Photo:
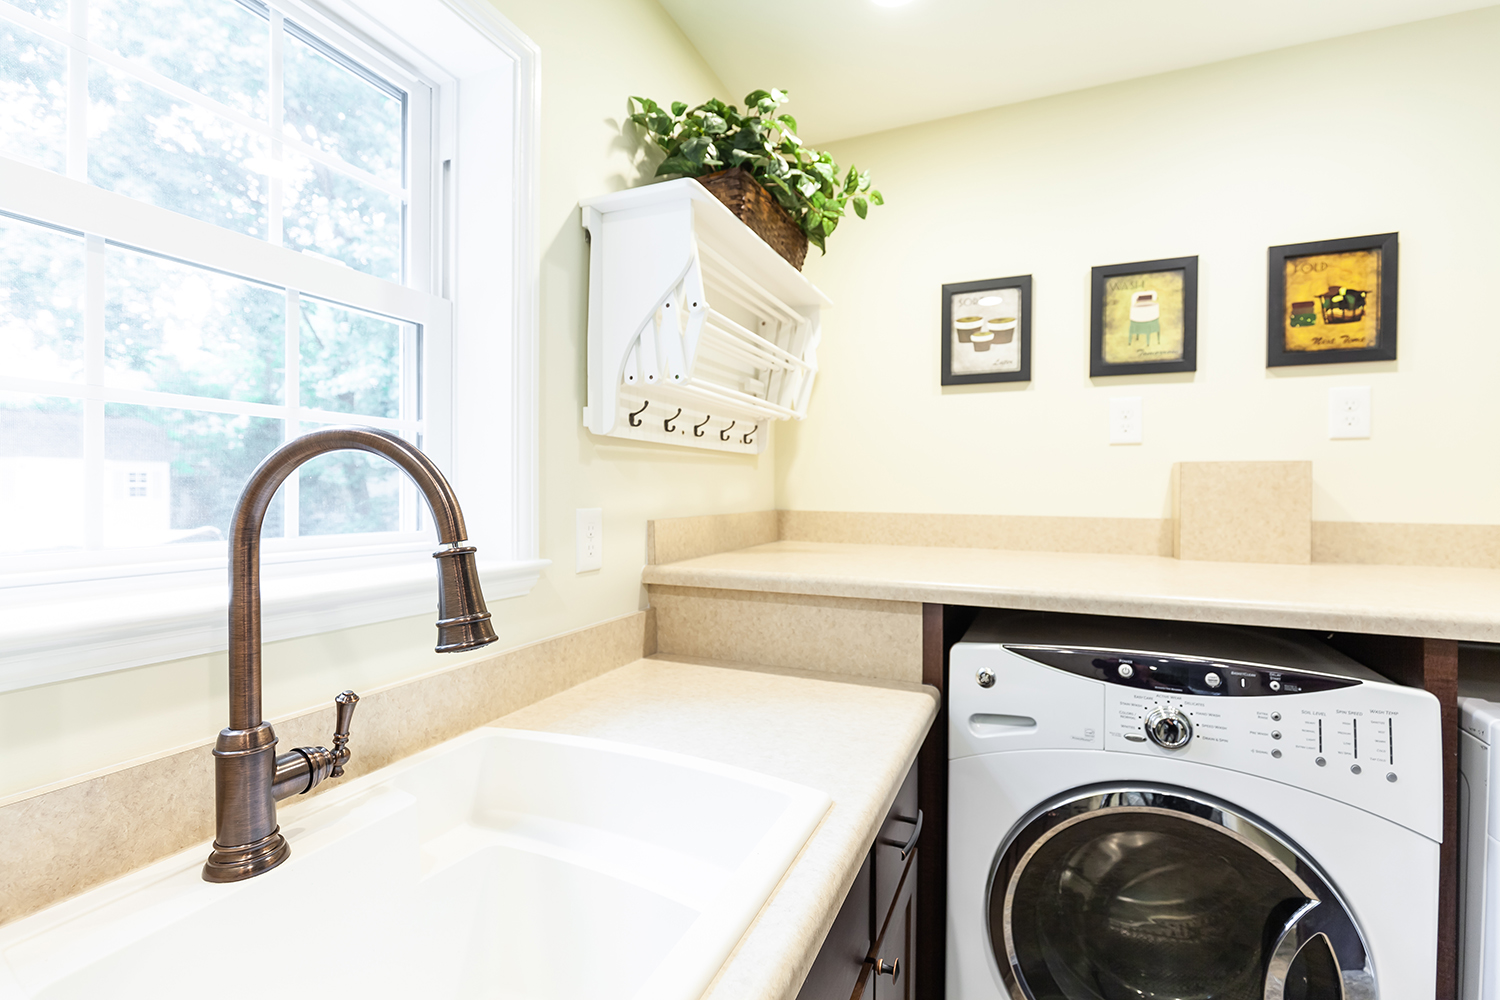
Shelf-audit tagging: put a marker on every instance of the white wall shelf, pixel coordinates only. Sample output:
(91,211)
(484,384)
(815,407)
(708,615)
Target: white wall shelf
(699,333)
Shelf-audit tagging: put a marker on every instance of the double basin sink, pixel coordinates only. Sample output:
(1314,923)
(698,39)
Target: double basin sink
(502,864)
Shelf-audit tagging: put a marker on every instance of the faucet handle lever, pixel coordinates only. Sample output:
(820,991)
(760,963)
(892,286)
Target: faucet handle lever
(343,706)
(301,770)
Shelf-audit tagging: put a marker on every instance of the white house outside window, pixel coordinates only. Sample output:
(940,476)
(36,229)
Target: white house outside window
(222,224)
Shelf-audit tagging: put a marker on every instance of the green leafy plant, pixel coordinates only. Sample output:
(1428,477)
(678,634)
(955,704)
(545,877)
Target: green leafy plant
(716,136)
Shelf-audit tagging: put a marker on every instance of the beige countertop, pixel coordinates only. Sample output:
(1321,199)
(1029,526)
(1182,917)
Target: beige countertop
(1432,601)
(853,739)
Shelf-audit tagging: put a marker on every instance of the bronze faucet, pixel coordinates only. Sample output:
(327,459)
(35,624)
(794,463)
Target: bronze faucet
(249,776)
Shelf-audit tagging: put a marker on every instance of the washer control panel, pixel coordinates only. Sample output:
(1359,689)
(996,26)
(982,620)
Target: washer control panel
(1372,744)
(1163,674)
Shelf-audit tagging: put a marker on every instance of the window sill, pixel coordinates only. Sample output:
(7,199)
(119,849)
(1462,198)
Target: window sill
(59,633)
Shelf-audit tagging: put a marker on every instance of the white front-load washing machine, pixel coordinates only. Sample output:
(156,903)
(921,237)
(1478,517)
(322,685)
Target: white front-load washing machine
(1153,810)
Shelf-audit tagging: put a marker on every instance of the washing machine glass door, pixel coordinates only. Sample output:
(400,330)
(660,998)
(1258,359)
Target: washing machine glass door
(1150,894)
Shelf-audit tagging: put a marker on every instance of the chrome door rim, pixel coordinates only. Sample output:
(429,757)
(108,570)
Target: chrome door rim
(1074,809)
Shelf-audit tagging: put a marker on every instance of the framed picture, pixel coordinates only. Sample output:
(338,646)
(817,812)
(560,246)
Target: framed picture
(987,331)
(1144,318)
(1332,301)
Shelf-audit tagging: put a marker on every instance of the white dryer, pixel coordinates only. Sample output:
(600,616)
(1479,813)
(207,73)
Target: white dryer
(1153,810)
(1479,849)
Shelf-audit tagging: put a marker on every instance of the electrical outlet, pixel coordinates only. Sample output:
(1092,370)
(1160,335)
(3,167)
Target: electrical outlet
(1125,420)
(1349,412)
(590,547)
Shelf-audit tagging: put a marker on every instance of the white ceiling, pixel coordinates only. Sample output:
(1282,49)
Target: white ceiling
(853,67)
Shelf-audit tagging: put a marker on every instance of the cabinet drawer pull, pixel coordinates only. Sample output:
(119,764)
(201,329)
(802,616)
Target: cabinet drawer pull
(911,843)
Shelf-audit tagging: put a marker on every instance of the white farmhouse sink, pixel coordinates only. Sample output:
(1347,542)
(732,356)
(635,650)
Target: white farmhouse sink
(500,864)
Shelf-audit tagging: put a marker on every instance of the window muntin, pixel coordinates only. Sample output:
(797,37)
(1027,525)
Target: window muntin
(160,381)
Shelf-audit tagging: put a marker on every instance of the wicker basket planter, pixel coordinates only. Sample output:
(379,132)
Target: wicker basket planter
(754,206)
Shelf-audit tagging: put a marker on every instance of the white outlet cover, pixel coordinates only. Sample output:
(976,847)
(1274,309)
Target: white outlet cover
(1349,412)
(589,544)
(1125,420)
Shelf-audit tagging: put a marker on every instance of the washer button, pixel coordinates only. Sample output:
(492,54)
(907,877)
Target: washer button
(1390,776)
(1275,716)
(1135,737)
(1212,679)
(1276,754)
(1126,671)
(1275,685)
(1275,734)
(1355,769)
(1320,762)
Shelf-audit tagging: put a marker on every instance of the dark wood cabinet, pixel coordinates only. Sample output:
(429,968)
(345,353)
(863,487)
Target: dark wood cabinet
(869,953)
(837,970)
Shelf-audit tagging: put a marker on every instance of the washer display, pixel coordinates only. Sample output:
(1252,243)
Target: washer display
(1147,810)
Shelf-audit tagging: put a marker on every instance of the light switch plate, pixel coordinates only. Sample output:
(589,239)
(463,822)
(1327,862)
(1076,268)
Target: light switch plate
(590,542)
(1125,420)
(1349,412)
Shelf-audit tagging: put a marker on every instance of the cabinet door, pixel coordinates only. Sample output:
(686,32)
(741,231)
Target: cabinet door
(836,970)
(893,846)
(897,945)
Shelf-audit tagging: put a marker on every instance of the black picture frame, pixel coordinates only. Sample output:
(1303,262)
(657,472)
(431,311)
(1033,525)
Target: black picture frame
(947,335)
(1277,354)
(1098,367)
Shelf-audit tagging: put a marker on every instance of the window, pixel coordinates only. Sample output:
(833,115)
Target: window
(234,114)
(224,223)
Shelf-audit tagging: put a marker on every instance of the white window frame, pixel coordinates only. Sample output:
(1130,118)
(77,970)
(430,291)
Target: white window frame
(480,333)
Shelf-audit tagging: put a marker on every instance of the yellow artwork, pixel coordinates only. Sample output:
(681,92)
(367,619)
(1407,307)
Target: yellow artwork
(1143,318)
(1332,301)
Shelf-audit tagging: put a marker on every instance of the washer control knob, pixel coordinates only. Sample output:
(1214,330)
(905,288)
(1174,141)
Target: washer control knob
(1169,728)
(1126,671)
(1212,679)
(985,676)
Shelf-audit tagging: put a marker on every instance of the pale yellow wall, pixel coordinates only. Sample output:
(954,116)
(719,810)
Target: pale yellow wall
(594,54)
(1393,130)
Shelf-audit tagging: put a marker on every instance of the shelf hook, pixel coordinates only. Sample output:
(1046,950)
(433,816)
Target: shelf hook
(746,436)
(635,418)
(698,428)
(724,434)
(667,423)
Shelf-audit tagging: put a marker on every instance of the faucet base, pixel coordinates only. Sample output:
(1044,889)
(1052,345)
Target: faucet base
(231,864)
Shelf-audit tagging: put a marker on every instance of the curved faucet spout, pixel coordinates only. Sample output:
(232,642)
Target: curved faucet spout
(247,840)
(244,543)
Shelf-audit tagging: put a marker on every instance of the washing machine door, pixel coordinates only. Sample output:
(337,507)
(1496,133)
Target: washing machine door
(1155,893)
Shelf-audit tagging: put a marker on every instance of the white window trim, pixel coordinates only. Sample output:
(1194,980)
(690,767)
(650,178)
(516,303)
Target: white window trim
(62,625)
